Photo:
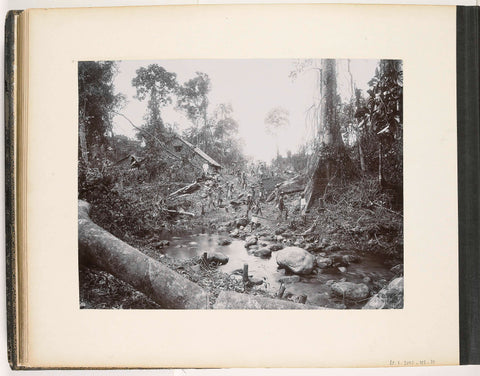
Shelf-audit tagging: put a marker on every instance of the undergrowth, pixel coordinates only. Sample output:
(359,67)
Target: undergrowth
(99,289)
(359,216)
(129,209)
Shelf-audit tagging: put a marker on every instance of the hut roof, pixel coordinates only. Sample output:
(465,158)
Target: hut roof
(200,152)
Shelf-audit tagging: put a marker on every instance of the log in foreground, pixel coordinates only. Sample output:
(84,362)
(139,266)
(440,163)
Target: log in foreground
(235,300)
(169,289)
(161,284)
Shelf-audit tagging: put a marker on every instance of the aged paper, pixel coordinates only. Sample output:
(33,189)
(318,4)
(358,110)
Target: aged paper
(62,335)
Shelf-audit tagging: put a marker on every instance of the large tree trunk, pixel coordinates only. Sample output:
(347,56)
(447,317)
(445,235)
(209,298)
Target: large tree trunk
(321,170)
(361,157)
(164,286)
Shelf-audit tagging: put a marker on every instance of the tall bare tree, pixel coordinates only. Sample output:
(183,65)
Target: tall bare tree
(329,138)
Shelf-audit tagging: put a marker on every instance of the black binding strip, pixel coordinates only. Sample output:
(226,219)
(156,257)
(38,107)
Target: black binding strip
(10,184)
(468,122)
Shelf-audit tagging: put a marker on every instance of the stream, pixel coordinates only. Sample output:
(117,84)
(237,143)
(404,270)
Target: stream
(369,270)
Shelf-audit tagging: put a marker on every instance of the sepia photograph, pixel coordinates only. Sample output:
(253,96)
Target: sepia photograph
(240,184)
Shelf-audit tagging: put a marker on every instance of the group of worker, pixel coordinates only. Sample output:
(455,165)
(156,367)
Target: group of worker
(216,194)
(279,197)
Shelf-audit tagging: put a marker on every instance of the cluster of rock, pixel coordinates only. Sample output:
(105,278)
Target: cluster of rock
(301,258)
(389,297)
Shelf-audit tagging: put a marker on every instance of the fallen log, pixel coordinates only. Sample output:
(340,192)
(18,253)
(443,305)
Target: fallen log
(235,300)
(186,190)
(293,185)
(170,211)
(161,284)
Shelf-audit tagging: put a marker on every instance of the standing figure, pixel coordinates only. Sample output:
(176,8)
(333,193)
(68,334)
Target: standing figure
(209,198)
(244,180)
(255,222)
(258,209)
(281,206)
(303,208)
(252,192)
(276,193)
(229,191)
(205,169)
(249,204)
(219,196)
(261,192)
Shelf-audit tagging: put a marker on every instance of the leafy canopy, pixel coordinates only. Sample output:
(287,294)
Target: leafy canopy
(193,96)
(97,98)
(155,82)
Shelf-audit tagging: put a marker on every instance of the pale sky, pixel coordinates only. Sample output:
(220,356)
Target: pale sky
(252,87)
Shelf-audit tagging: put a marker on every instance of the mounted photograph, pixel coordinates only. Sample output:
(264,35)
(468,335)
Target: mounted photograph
(240,184)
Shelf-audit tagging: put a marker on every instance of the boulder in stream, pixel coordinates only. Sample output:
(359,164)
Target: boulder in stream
(224,241)
(217,257)
(161,244)
(289,279)
(375,302)
(251,240)
(255,281)
(350,290)
(262,252)
(390,296)
(324,262)
(296,259)
(396,286)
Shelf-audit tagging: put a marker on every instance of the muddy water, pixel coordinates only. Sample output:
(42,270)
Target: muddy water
(314,286)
